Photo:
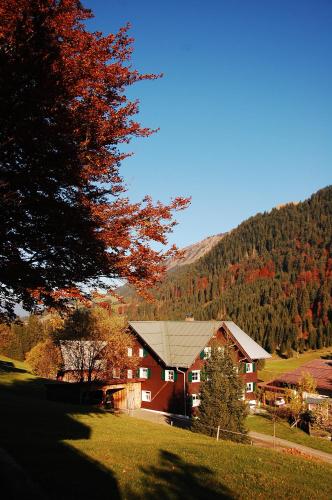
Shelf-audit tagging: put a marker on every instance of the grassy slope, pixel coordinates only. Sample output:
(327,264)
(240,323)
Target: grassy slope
(283,430)
(77,453)
(275,366)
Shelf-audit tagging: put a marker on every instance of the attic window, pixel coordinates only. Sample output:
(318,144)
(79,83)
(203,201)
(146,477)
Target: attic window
(249,367)
(169,375)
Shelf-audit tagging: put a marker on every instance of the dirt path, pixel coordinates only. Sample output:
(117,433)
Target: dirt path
(268,442)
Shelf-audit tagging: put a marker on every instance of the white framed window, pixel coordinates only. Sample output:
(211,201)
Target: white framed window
(196,399)
(207,352)
(143,373)
(169,375)
(129,373)
(249,368)
(196,376)
(146,396)
(141,352)
(249,387)
(130,352)
(116,373)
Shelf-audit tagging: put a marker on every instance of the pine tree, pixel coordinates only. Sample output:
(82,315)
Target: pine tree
(221,398)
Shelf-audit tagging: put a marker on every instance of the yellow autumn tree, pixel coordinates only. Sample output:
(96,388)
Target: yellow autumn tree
(44,359)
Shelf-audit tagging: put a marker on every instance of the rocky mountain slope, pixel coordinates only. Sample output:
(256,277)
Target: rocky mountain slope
(195,251)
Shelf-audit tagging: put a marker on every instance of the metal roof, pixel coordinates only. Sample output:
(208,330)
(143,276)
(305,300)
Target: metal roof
(319,369)
(178,343)
(254,350)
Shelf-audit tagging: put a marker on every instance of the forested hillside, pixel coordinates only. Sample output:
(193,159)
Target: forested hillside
(272,275)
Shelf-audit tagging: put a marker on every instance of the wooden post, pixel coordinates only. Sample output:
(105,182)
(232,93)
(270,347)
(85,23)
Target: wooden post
(218,430)
(274,431)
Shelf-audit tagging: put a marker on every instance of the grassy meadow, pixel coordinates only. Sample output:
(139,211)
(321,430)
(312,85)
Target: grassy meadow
(276,365)
(263,424)
(78,452)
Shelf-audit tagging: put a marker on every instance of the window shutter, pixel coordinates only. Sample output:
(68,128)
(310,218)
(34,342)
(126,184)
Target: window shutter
(254,367)
(163,375)
(202,354)
(255,385)
(145,353)
(244,368)
(202,376)
(190,376)
(149,372)
(175,375)
(137,373)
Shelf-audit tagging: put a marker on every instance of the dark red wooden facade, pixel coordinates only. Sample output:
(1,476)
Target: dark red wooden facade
(176,397)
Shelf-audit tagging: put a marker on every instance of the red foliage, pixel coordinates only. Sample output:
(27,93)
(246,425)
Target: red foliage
(305,277)
(266,271)
(69,84)
(309,314)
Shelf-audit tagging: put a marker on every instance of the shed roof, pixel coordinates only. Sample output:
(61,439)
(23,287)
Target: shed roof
(178,343)
(320,370)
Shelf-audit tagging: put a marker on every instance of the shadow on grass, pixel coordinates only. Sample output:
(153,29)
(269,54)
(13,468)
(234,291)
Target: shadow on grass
(9,367)
(38,464)
(176,479)
(32,432)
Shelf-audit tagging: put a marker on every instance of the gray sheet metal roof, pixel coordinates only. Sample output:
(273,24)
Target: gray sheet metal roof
(177,343)
(254,350)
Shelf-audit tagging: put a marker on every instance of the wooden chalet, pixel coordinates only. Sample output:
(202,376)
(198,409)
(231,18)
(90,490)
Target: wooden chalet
(173,355)
(171,359)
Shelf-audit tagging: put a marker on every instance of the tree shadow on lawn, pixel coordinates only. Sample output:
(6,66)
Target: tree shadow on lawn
(9,367)
(177,480)
(31,432)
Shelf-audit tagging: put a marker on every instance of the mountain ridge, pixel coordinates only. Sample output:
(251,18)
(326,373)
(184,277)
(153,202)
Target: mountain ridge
(272,275)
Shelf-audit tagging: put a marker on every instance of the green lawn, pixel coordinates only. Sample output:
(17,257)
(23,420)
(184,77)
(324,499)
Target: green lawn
(75,452)
(264,425)
(276,366)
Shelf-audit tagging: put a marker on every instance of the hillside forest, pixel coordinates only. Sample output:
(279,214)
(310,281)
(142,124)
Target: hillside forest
(272,275)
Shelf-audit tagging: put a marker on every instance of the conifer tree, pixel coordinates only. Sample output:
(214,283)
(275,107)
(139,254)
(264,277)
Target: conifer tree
(221,398)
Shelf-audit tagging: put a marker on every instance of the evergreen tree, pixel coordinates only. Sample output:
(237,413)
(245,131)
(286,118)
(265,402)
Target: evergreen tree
(221,398)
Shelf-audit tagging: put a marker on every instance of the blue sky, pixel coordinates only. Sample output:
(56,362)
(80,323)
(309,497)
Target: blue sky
(244,107)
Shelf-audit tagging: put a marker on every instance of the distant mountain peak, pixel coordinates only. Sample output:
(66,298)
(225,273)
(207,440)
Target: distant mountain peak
(193,252)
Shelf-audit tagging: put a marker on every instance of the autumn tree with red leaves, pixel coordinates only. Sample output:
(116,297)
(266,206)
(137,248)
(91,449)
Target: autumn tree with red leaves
(65,220)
